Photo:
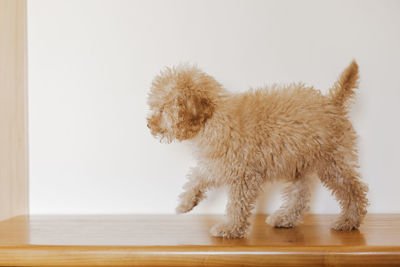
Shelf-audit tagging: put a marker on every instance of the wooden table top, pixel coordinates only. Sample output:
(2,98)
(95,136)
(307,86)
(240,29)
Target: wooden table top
(184,240)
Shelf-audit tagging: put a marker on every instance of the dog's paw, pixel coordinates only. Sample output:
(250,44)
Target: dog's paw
(188,200)
(279,220)
(184,207)
(343,224)
(227,230)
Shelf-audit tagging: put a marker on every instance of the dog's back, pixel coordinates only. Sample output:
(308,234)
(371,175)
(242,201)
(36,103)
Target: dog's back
(295,125)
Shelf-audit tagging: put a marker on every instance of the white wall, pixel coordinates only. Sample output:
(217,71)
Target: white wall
(91,63)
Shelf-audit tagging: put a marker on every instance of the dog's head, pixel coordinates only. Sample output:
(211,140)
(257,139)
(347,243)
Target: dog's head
(181,100)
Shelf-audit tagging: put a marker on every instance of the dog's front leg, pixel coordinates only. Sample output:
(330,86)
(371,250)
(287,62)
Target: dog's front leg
(242,196)
(194,190)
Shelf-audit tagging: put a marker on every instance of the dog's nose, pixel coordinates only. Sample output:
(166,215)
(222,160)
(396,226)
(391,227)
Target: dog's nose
(148,126)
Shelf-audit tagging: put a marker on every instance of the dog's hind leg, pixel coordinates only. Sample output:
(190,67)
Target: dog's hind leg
(345,184)
(297,198)
(195,190)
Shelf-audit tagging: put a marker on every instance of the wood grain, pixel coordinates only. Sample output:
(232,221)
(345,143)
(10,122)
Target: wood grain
(183,240)
(13,112)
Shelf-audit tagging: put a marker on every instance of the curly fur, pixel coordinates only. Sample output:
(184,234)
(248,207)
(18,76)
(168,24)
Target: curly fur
(243,140)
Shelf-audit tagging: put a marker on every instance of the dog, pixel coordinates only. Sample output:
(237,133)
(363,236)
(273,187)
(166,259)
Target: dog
(243,140)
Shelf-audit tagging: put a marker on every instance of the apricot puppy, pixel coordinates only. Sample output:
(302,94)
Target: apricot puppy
(243,140)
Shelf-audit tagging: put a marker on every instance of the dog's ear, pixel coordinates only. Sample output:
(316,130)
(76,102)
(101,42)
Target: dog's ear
(194,109)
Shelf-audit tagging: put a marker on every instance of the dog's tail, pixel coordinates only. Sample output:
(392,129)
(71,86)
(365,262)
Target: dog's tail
(343,89)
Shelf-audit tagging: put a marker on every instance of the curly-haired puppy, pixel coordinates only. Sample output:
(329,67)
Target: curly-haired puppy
(242,140)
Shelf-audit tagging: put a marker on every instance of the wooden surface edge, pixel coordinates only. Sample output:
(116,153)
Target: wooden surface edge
(173,240)
(36,255)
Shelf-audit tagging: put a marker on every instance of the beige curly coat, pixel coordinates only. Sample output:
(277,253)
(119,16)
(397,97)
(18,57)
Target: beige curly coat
(243,140)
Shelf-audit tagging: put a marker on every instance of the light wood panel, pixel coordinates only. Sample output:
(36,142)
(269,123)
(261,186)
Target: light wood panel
(183,240)
(13,112)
